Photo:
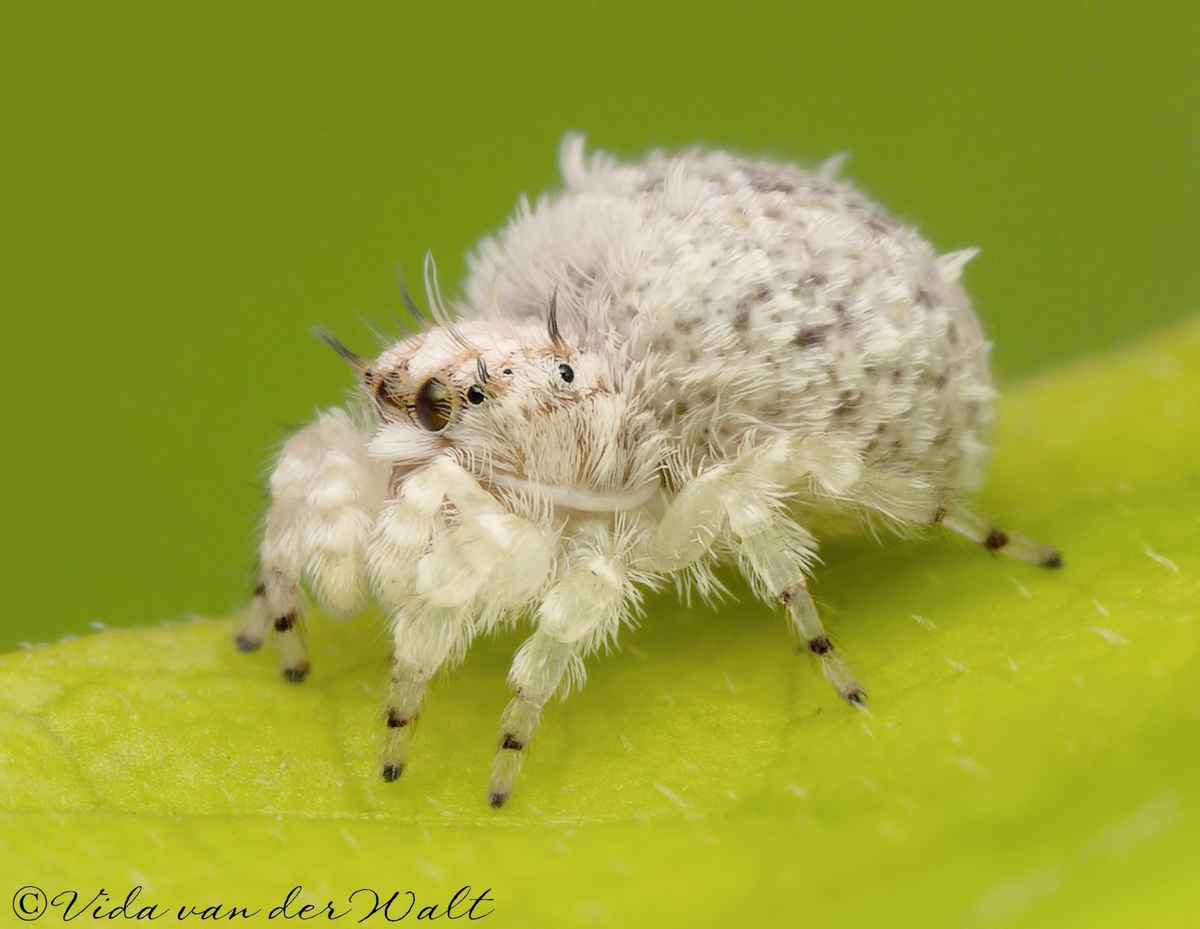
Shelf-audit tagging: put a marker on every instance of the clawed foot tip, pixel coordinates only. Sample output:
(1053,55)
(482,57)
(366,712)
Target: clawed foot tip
(391,772)
(856,696)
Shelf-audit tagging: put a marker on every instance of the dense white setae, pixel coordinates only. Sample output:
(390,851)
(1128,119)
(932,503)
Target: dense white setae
(670,363)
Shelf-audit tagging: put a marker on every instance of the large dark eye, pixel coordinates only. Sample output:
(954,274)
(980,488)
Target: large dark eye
(567,373)
(475,394)
(434,405)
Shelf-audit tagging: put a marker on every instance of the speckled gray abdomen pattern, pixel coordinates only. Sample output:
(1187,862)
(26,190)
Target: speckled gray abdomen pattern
(764,298)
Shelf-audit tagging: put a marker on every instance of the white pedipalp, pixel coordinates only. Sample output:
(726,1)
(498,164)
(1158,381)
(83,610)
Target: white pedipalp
(580,499)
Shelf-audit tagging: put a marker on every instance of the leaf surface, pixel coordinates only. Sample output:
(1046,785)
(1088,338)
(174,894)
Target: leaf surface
(1032,753)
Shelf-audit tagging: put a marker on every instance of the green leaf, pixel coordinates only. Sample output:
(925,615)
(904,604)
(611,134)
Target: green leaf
(1032,752)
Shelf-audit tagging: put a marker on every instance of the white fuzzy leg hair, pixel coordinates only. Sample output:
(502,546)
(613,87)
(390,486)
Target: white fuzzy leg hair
(743,505)
(445,560)
(591,598)
(325,491)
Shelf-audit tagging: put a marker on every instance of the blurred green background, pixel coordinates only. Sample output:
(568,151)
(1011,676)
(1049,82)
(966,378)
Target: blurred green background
(184,192)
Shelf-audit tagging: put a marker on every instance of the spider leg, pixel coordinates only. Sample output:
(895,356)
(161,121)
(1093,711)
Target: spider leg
(277,605)
(578,614)
(698,517)
(957,518)
(324,491)
(255,623)
(906,501)
(536,675)
(776,551)
(423,641)
(445,561)
(744,504)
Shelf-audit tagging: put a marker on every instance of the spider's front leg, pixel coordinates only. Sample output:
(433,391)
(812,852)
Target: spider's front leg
(579,613)
(325,491)
(445,561)
(744,504)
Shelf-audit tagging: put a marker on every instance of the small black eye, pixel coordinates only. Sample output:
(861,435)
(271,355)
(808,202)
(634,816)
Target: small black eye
(507,372)
(434,406)
(475,394)
(567,373)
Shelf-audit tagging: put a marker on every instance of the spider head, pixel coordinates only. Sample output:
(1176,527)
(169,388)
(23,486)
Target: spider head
(515,405)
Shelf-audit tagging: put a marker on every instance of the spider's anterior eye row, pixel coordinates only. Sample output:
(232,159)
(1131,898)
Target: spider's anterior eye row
(434,406)
(475,394)
(567,373)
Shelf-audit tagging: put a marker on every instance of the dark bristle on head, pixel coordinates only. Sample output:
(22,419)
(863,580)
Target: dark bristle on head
(552,320)
(409,303)
(355,360)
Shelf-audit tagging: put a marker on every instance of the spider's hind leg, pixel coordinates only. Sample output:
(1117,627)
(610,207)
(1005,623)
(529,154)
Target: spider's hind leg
(951,514)
(908,502)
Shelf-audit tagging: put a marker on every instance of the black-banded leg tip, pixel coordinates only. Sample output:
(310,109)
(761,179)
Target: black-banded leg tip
(247,644)
(296,673)
(855,696)
(497,799)
(391,772)
(995,540)
(1053,560)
